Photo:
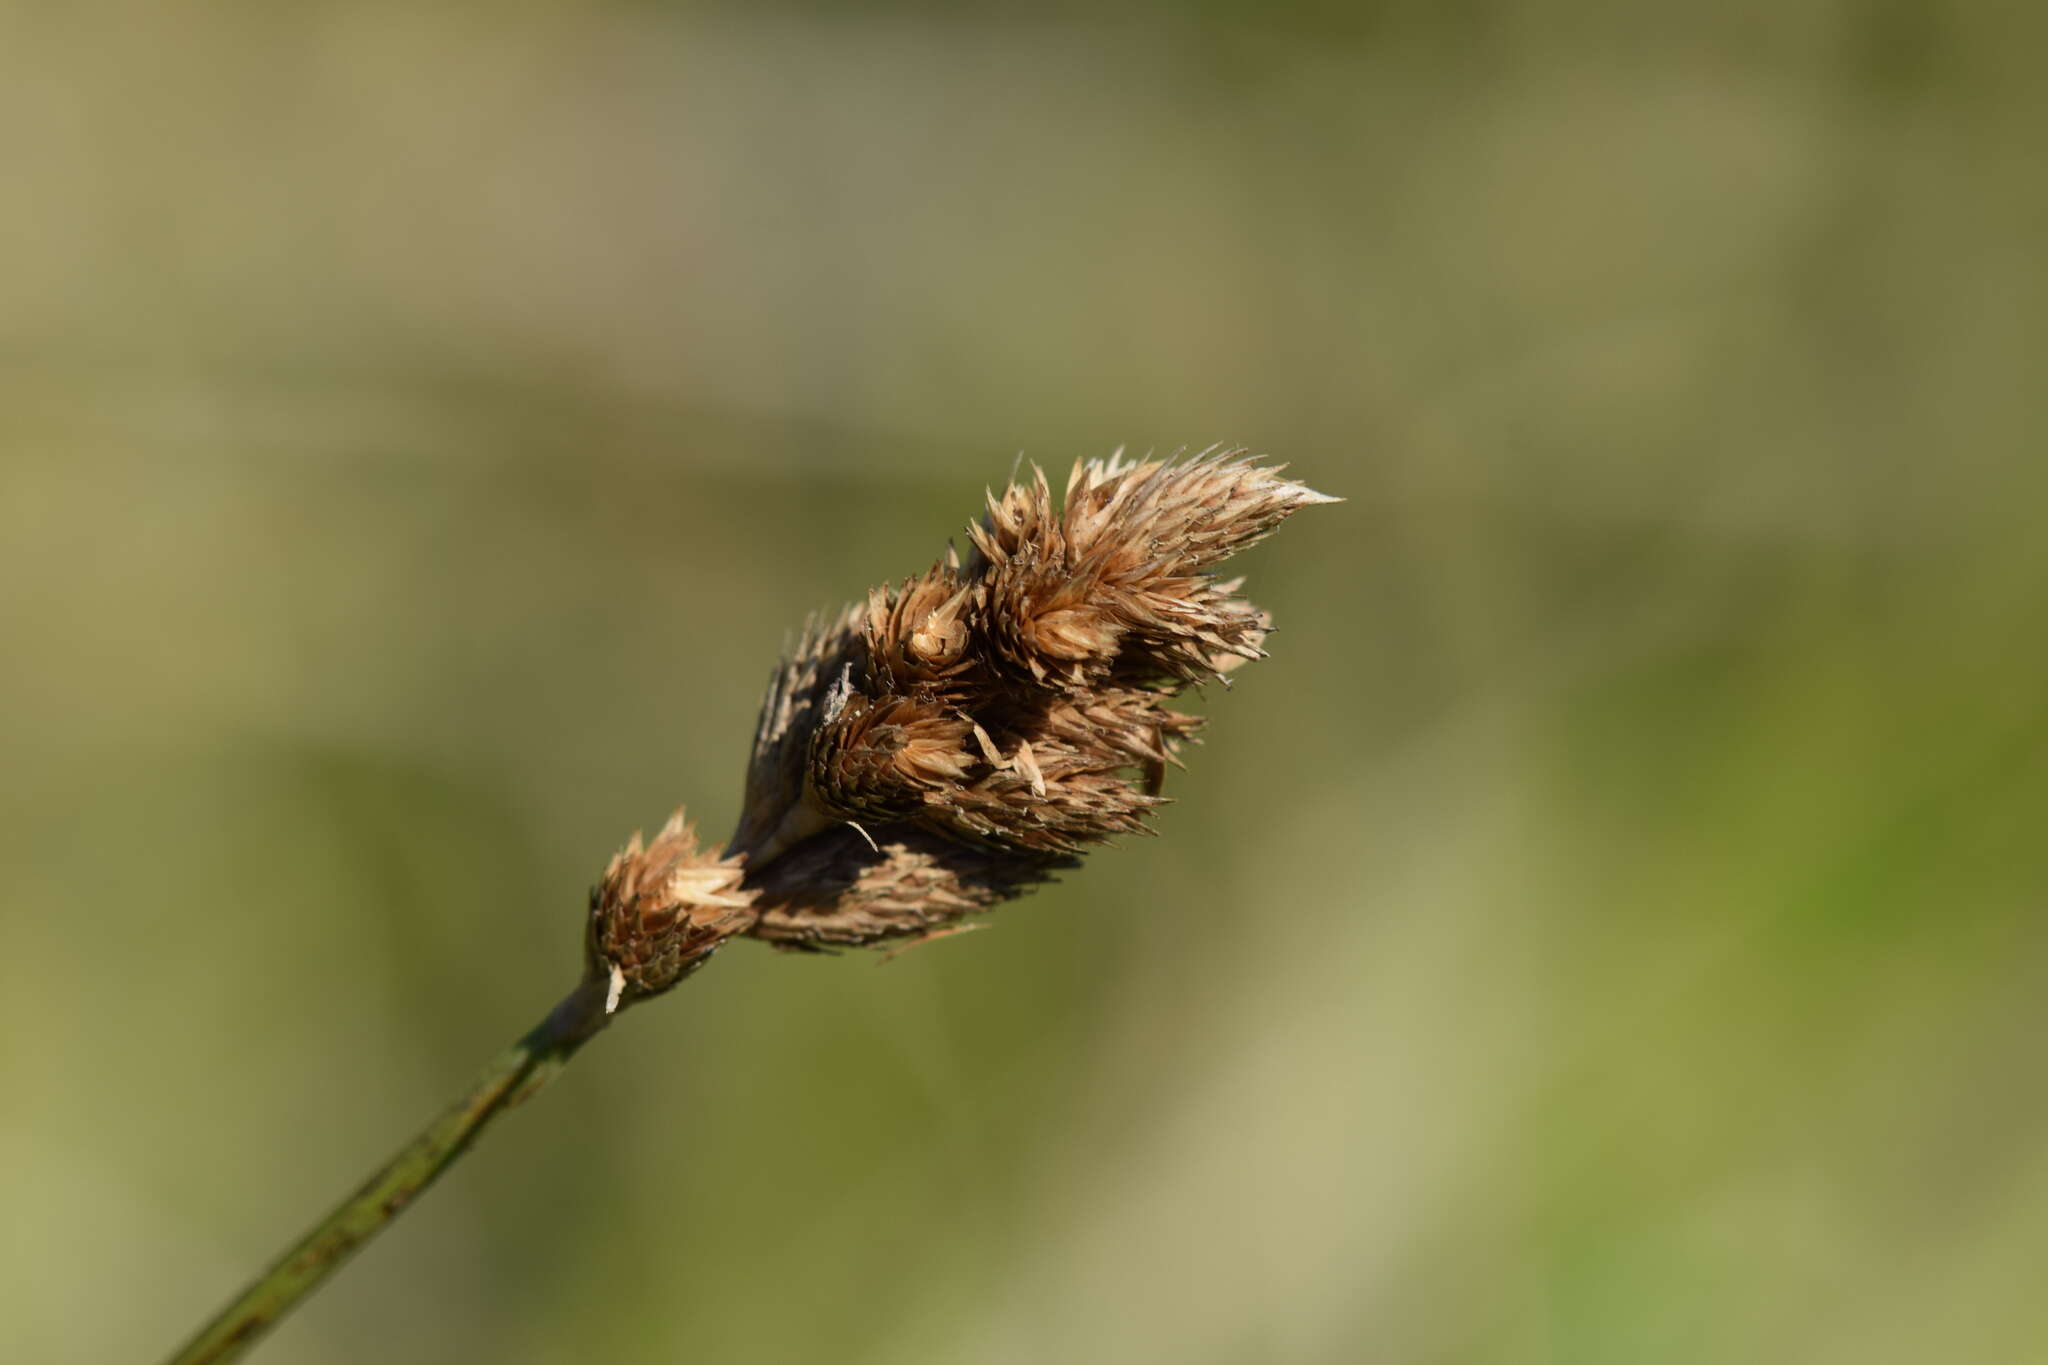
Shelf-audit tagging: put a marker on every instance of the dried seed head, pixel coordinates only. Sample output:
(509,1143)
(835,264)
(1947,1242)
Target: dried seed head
(661,910)
(951,741)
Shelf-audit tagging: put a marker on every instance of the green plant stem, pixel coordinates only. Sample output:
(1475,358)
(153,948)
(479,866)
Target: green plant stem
(514,1075)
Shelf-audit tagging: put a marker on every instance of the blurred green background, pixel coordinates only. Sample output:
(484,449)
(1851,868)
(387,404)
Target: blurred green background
(1610,928)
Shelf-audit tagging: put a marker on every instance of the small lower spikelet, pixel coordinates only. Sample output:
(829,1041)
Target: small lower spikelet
(951,741)
(661,910)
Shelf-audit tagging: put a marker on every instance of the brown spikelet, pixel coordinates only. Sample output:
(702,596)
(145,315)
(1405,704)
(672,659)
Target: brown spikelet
(1113,580)
(1023,521)
(1128,723)
(840,890)
(775,814)
(917,637)
(881,760)
(1050,797)
(952,740)
(661,910)
(1045,625)
(1134,519)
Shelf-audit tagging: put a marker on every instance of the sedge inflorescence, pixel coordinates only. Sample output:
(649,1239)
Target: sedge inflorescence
(958,738)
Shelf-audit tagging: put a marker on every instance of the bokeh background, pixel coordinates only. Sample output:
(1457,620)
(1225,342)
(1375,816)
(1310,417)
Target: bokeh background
(1610,929)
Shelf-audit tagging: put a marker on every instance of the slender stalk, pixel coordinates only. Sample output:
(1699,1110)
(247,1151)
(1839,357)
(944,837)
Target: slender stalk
(515,1074)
